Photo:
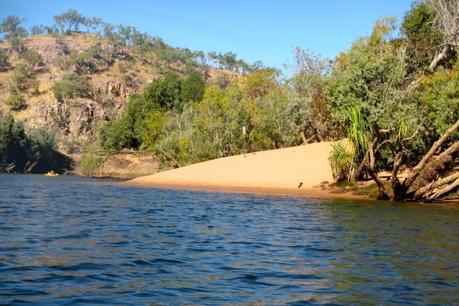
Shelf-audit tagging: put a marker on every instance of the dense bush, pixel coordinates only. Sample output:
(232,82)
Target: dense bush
(422,37)
(341,161)
(89,164)
(32,58)
(34,153)
(4,64)
(23,78)
(16,102)
(71,86)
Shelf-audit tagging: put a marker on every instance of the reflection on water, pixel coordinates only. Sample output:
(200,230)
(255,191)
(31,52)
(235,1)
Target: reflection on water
(69,240)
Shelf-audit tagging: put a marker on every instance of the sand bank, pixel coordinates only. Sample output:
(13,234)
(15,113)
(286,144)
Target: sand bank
(289,171)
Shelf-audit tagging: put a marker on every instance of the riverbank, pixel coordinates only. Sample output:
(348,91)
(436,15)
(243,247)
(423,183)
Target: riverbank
(300,171)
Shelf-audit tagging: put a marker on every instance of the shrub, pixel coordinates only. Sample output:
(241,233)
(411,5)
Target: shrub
(32,58)
(125,67)
(193,88)
(22,77)
(89,164)
(260,83)
(71,86)
(16,102)
(17,44)
(4,64)
(341,161)
(166,92)
(35,152)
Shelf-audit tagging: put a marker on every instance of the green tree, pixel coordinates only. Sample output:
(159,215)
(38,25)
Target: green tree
(11,26)
(367,93)
(70,21)
(23,78)
(192,88)
(260,83)
(166,92)
(32,58)
(38,30)
(71,86)
(423,38)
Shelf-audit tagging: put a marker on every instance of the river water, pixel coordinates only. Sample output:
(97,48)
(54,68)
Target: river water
(70,240)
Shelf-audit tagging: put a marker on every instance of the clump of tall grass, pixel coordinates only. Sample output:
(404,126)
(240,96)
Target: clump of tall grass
(341,160)
(89,164)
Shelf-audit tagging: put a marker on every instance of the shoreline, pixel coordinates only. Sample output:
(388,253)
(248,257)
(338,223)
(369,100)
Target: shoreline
(312,193)
(299,171)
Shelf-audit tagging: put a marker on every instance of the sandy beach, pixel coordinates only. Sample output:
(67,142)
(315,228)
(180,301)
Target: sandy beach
(289,171)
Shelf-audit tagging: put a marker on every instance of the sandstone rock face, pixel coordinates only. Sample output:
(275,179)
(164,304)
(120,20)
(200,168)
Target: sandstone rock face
(76,120)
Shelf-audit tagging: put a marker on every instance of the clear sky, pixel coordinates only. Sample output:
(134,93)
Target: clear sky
(259,29)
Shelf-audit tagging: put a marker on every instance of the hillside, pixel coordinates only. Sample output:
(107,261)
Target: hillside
(114,90)
(112,74)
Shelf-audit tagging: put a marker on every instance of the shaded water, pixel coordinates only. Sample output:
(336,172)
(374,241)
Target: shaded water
(69,240)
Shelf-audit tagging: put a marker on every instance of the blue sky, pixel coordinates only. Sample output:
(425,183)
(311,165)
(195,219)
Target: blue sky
(266,30)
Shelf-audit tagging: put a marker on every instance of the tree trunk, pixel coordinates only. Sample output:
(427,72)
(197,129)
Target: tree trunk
(398,189)
(432,170)
(370,158)
(420,166)
(440,57)
(444,190)
(426,191)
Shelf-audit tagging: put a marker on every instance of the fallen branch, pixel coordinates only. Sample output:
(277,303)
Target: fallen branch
(444,190)
(420,166)
(425,191)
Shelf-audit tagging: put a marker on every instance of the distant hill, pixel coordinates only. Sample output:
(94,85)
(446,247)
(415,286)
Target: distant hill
(102,74)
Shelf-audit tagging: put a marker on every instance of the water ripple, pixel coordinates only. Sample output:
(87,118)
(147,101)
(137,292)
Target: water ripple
(82,241)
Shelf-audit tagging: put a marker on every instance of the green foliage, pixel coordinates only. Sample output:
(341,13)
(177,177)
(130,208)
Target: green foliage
(130,130)
(11,26)
(341,161)
(35,152)
(172,92)
(222,80)
(166,92)
(89,164)
(32,58)
(205,130)
(439,97)
(16,102)
(422,37)
(17,44)
(23,78)
(276,121)
(192,88)
(371,76)
(260,83)
(70,21)
(154,124)
(4,64)
(92,60)
(359,131)
(38,30)
(71,86)
(116,135)
(230,61)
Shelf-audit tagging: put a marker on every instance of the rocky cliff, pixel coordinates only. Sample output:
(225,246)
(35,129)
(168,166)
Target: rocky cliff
(110,73)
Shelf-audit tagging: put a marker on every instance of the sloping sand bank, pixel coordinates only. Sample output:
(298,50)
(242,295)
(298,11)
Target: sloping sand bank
(294,170)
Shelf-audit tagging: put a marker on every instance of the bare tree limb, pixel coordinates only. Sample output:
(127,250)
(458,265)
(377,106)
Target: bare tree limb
(416,170)
(443,191)
(426,190)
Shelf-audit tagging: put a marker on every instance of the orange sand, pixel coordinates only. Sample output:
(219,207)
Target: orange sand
(293,171)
